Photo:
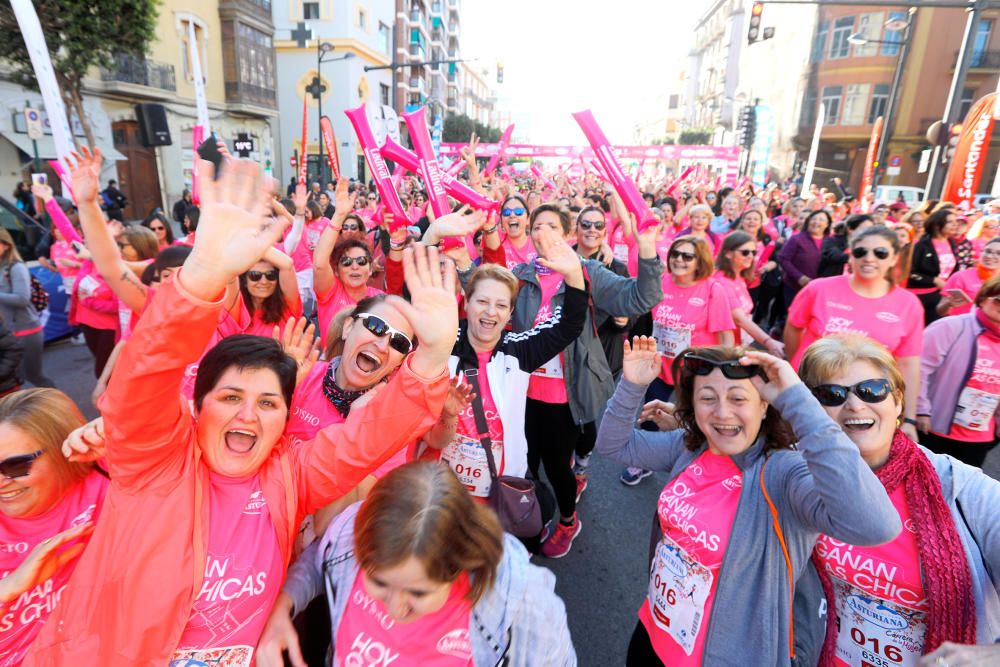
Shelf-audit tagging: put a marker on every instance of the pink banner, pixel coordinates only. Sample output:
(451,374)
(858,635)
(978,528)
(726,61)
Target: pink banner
(429,169)
(330,141)
(378,167)
(693,153)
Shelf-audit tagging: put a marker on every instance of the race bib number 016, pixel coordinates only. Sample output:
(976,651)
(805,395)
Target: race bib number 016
(467,459)
(671,341)
(678,588)
(875,632)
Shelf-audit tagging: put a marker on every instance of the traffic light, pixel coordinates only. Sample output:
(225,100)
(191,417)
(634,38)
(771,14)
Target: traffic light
(499,72)
(937,134)
(954,134)
(755,16)
(747,126)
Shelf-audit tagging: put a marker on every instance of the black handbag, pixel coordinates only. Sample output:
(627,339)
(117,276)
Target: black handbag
(514,499)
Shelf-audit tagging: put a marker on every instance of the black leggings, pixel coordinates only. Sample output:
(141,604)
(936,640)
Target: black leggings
(640,650)
(973,453)
(100,342)
(588,438)
(552,437)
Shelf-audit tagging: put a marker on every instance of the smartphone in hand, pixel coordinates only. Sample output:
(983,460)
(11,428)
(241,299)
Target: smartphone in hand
(209,150)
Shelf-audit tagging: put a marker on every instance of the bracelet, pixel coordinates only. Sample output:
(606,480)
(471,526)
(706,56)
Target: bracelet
(910,421)
(396,246)
(491,229)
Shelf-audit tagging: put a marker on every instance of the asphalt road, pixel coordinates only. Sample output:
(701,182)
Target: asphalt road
(602,580)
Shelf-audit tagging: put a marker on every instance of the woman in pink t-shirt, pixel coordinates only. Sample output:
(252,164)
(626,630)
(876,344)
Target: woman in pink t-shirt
(516,244)
(865,302)
(982,231)
(48,507)
(735,263)
(961,289)
(896,602)
(699,218)
(267,296)
(159,225)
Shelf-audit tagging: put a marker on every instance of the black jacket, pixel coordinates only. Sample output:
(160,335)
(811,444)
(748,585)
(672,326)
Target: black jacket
(925,267)
(833,256)
(10,356)
(610,333)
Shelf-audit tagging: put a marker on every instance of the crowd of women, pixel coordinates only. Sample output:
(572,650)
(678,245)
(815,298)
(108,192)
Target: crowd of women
(323,431)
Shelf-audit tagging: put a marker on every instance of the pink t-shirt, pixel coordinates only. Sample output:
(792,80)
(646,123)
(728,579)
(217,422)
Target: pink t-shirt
(243,575)
(968,281)
(464,455)
(548,383)
(689,317)
(739,298)
(880,601)
(618,243)
(974,419)
(523,255)
(302,256)
(62,252)
(662,249)
(334,300)
(368,636)
(23,618)
(696,512)
(829,306)
(946,258)
(255,325)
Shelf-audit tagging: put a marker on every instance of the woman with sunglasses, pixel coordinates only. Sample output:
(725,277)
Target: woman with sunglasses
(158,225)
(766,281)
(199,524)
(419,574)
(960,387)
(962,287)
(741,511)
(517,244)
(866,302)
(48,506)
(571,389)
(342,266)
(937,580)
(735,269)
(267,296)
(934,260)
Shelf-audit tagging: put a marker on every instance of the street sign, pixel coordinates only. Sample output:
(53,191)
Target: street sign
(893,171)
(243,146)
(895,161)
(925,160)
(33,123)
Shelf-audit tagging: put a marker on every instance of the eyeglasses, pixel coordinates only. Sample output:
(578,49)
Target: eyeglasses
(158,229)
(360,261)
(373,199)
(991,253)
(13,467)
(881,252)
(255,276)
(748,252)
(683,256)
(731,368)
(376,326)
(587,224)
(869,391)
(507,212)
(351,227)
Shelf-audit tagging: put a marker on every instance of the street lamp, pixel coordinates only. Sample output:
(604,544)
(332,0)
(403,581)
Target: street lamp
(323,49)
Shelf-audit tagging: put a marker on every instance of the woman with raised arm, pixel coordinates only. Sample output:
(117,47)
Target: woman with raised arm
(198,528)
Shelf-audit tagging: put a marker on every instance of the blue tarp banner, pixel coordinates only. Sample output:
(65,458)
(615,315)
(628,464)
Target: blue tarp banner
(54,319)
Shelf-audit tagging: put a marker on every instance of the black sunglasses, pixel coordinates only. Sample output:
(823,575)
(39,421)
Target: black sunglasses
(351,227)
(881,252)
(587,224)
(747,252)
(686,256)
(376,326)
(360,261)
(869,391)
(254,276)
(731,368)
(13,467)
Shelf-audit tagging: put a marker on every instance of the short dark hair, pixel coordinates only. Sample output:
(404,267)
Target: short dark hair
(822,211)
(936,221)
(245,352)
(192,213)
(564,218)
(854,221)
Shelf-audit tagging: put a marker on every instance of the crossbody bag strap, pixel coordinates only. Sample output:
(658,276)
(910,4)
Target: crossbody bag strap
(479,412)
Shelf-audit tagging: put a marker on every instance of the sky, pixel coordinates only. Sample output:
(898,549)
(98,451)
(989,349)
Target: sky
(617,58)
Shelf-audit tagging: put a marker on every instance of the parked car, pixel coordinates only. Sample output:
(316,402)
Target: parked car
(892,193)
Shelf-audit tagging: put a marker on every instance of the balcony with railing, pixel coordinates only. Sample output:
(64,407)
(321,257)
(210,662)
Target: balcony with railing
(126,68)
(437,6)
(981,59)
(238,92)
(417,50)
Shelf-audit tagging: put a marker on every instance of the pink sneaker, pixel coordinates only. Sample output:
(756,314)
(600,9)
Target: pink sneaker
(558,545)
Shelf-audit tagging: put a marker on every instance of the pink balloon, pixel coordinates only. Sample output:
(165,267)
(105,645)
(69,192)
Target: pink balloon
(427,163)
(380,171)
(460,191)
(623,185)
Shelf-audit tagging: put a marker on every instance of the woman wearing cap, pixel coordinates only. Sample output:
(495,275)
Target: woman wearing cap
(742,510)
(961,288)
(419,574)
(48,506)
(934,260)
(937,580)
(867,302)
(198,528)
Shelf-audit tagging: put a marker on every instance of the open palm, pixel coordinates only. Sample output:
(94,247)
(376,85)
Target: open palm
(642,361)
(85,174)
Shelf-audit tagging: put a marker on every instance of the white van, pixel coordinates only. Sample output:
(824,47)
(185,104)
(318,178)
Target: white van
(891,193)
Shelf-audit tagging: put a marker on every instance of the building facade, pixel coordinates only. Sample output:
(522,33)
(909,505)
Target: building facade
(478,100)
(714,66)
(426,31)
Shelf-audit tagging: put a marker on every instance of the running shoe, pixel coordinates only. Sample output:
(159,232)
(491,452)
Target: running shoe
(632,476)
(546,531)
(581,486)
(558,545)
(582,463)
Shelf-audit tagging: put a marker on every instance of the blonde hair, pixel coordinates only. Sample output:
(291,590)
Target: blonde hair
(10,255)
(493,272)
(47,416)
(420,510)
(832,354)
(700,208)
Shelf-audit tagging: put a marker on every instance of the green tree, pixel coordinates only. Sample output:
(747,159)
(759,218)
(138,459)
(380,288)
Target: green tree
(458,128)
(80,34)
(695,137)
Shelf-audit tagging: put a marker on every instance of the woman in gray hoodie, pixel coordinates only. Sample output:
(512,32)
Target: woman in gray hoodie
(19,313)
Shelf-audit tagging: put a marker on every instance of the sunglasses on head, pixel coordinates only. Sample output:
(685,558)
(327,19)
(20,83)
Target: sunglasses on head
(587,224)
(351,227)
(255,276)
(360,261)
(869,391)
(748,252)
(880,252)
(730,368)
(13,467)
(684,256)
(376,326)
(507,212)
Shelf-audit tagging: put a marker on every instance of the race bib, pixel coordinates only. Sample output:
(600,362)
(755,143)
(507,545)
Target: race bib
(620,251)
(467,459)
(229,656)
(975,409)
(312,238)
(678,588)
(671,341)
(875,632)
(88,285)
(552,369)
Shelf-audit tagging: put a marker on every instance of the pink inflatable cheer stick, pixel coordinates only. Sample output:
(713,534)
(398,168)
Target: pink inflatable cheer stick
(680,179)
(501,149)
(540,176)
(455,167)
(427,164)
(460,191)
(383,181)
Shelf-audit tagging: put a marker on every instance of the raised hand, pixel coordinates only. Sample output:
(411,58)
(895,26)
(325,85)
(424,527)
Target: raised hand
(460,223)
(300,343)
(42,191)
(554,253)
(780,374)
(343,201)
(468,153)
(660,413)
(642,361)
(460,397)
(85,174)
(235,231)
(300,198)
(47,558)
(432,311)
(86,443)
